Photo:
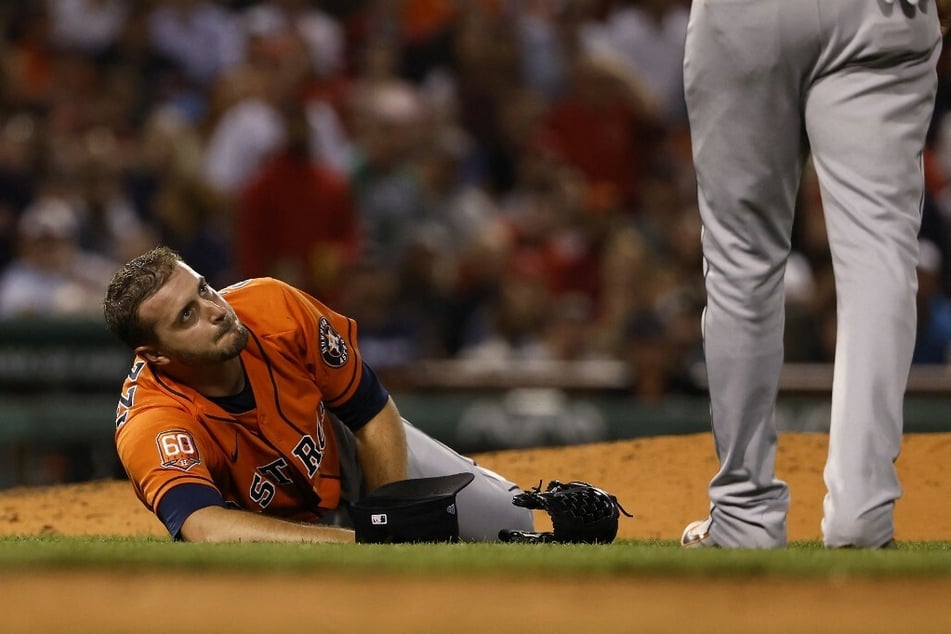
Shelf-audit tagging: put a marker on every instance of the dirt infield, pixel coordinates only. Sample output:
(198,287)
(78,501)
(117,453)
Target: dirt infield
(661,480)
(123,603)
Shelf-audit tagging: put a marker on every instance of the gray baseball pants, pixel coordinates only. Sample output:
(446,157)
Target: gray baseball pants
(767,82)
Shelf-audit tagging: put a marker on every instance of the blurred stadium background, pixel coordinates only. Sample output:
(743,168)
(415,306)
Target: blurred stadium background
(499,191)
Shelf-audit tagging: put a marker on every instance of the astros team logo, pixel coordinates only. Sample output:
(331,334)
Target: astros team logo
(333,348)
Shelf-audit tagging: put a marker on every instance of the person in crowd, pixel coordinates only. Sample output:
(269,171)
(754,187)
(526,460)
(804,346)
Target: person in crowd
(51,275)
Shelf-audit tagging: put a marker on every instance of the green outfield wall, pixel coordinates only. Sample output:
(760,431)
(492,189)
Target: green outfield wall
(59,383)
(60,379)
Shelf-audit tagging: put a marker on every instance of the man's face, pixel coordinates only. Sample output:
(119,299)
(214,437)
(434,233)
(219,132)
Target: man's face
(193,323)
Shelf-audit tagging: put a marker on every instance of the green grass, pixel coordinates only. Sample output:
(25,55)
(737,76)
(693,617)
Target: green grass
(623,558)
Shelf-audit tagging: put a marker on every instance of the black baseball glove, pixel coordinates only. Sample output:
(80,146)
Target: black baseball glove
(580,514)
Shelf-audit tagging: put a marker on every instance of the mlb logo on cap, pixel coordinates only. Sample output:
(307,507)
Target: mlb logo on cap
(378,519)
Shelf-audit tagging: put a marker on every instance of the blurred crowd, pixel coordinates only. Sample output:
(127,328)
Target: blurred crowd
(473,179)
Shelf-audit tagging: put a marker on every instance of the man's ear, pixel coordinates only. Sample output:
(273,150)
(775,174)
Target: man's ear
(152,355)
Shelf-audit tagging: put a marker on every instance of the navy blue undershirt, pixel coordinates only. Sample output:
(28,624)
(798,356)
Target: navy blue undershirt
(238,403)
(367,401)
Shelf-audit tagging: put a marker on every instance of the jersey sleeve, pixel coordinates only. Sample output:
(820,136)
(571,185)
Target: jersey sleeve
(366,402)
(349,387)
(181,501)
(162,448)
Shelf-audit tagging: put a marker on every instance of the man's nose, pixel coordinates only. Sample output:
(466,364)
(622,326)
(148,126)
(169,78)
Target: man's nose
(216,312)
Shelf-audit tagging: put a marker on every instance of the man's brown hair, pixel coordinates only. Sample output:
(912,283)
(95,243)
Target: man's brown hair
(135,282)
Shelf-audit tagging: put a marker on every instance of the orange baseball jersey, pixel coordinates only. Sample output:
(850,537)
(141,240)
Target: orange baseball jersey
(276,453)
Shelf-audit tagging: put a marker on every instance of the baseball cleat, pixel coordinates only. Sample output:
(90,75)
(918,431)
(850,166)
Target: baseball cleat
(697,535)
(889,545)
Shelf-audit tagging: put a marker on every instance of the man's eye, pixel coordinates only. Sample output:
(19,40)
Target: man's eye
(203,289)
(186,314)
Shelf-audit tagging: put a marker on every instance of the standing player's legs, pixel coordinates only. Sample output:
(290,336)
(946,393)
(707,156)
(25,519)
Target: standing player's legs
(742,87)
(485,505)
(867,122)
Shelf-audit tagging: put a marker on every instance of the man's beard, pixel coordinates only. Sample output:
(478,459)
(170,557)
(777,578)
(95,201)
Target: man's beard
(218,355)
(240,342)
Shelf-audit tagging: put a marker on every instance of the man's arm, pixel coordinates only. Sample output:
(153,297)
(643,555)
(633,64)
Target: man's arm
(219,524)
(381,451)
(381,447)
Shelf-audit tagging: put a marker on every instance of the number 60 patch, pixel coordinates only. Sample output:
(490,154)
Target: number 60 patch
(177,449)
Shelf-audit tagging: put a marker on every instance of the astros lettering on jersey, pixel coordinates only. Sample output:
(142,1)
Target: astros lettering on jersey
(279,457)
